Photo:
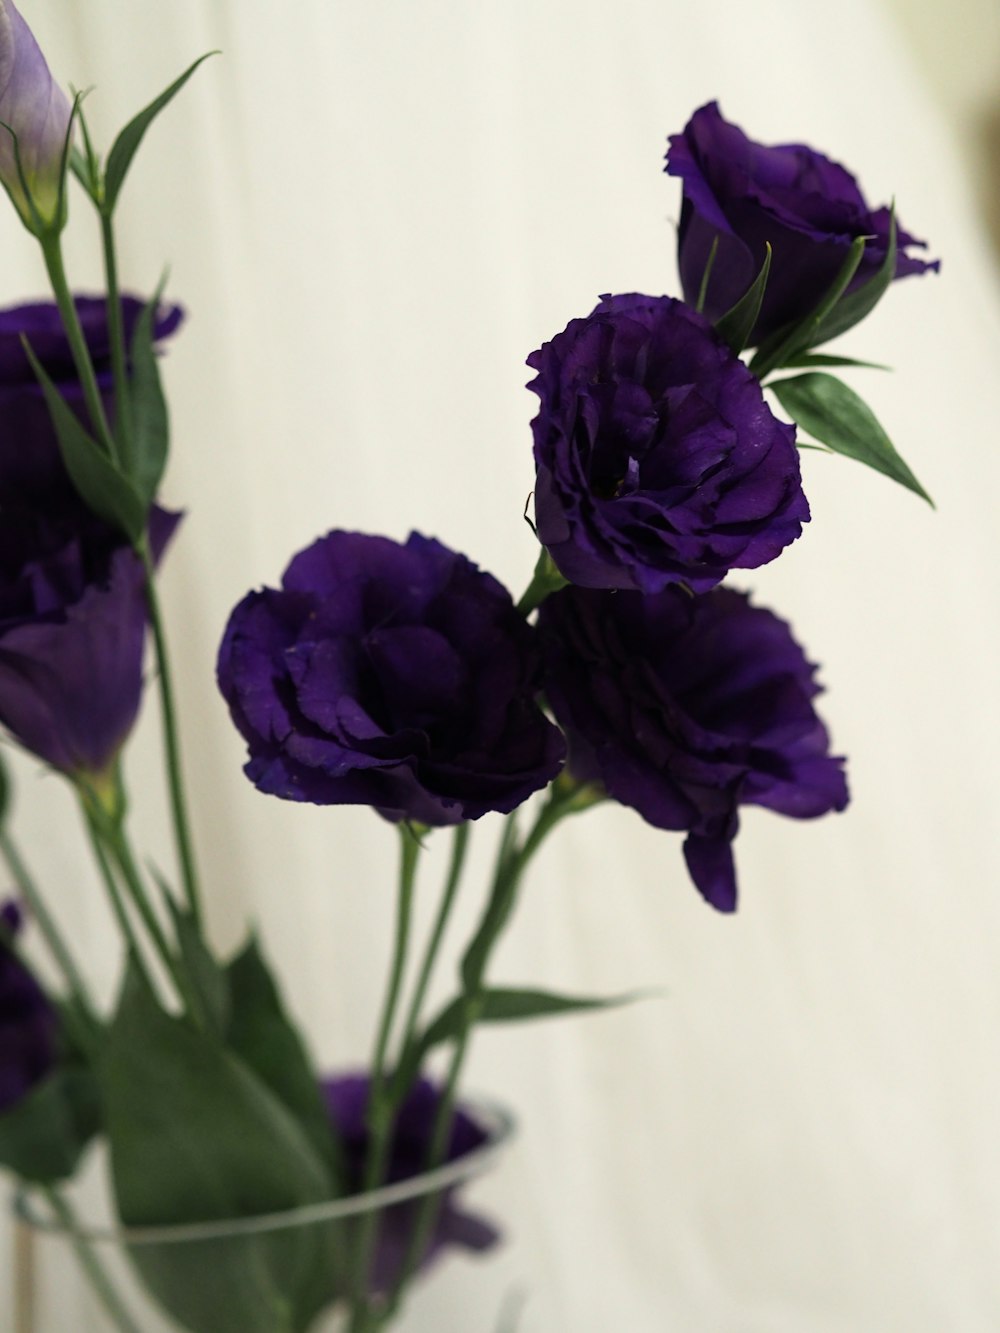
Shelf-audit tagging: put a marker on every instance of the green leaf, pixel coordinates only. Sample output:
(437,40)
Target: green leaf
(150,424)
(509,1005)
(837,417)
(500,1005)
(816,359)
(124,148)
(42,1137)
(207,978)
(736,325)
(261,1033)
(793,339)
(95,477)
(196,1136)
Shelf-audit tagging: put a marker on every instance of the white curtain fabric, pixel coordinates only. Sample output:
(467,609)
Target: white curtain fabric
(373,211)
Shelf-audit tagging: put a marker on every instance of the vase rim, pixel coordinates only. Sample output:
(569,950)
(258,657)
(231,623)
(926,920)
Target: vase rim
(495,1120)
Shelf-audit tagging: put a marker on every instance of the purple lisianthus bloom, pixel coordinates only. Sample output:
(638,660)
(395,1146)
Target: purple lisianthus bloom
(743,195)
(347,1101)
(37,111)
(685,708)
(31,467)
(396,676)
(72,602)
(29,1027)
(658,460)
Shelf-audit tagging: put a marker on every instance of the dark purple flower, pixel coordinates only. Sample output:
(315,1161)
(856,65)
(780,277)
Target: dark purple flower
(658,459)
(744,194)
(29,1027)
(347,1100)
(31,468)
(37,111)
(685,708)
(72,606)
(397,676)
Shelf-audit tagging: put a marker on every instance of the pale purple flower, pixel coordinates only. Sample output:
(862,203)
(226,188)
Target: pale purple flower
(37,112)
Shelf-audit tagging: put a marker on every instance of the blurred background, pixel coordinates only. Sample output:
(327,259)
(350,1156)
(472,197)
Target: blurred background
(373,210)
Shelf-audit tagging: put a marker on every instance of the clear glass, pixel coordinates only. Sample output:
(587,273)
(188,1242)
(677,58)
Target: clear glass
(223,1277)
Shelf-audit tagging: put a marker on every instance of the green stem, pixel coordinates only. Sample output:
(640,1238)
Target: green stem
(91,1265)
(116,334)
(50,932)
(171,741)
(381,1110)
(117,842)
(459,848)
(52,252)
(511,864)
(115,897)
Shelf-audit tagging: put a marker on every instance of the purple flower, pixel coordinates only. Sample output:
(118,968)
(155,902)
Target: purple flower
(31,468)
(686,708)
(658,459)
(29,1028)
(35,110)
(743,194)
(72,605)
(347,1101)
(395,676)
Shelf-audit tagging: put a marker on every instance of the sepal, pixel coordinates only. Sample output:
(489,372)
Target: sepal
(736,325)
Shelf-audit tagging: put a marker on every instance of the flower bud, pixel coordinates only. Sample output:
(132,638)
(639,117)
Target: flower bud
(35,117)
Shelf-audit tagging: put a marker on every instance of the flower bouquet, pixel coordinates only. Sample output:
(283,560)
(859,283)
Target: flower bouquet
(250,1190)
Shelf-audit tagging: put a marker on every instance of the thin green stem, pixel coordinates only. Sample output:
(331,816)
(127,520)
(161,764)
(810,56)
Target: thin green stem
(381,1110)
(459,848)
(52,252)
(511,863)
(116,334)
(91,1264)
(117,842)
(171,741)
(115,897)
(46,924)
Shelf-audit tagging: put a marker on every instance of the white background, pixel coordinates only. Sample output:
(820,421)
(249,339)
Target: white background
(373,211)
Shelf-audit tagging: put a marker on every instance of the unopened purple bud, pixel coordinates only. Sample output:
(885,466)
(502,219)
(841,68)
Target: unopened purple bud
(35,118)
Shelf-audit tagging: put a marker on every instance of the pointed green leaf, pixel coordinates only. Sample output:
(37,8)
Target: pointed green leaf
(818,359)
(195,1136)
(262,1034)
(795,338)
(498,1005)
(150,425)
(124,148)
(95,477)
(736,325)
(837,417)
(510,1005)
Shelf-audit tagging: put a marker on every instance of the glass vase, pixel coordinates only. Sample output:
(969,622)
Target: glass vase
(90,1276)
